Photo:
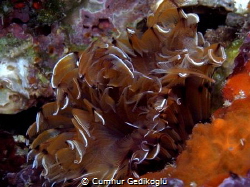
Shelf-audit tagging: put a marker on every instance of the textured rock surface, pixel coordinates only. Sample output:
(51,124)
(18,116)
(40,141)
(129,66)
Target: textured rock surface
(35,34)
(227,4)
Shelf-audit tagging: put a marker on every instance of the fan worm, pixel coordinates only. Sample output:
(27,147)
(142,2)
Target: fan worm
(125,108)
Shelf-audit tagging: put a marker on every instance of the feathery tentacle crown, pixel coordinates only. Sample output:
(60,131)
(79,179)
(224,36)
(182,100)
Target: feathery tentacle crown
(126,107)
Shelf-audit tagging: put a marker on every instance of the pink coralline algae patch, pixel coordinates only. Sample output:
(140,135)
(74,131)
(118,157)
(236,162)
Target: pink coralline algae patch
(110,19)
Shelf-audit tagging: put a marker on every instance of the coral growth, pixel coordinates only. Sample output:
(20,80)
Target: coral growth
(125,108)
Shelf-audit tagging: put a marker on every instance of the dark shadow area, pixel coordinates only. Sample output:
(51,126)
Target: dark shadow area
(210,18)
(18,123)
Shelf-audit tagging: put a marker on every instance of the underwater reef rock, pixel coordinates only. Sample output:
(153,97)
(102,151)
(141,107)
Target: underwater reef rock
(18,89)
(223,34)
(26,177)
(235,181)
(107,19)
(10,159)
(126,107)
(229,5)
(21,81)
(25,58)
(30,42)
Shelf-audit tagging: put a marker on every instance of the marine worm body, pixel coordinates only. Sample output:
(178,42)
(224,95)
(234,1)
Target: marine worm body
(125,108)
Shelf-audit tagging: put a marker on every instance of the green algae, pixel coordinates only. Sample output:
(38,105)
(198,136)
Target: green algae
(51,12)
(223,72)
(11,47)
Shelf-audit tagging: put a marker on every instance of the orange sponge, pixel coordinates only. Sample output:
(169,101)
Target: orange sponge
(215,150)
